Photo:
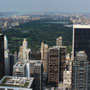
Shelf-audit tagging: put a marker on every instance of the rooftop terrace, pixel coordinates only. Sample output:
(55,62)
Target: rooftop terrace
(16,81)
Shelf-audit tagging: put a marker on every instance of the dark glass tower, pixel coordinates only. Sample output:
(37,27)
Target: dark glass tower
(81,39)
(2,64)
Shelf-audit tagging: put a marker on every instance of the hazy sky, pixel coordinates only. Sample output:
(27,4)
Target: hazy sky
(45,5)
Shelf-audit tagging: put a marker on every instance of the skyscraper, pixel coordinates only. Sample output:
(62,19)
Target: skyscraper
(6,57)
(38,75)
(2,63)
(24,51)
(35,55)
(20,52)
(11,64)
(56,64)
(15,57)
(22,69)
(44,50)
(59,41)
(32,67)
(25,46)
(19,69)
(67,78)
(81,39)
(80,72)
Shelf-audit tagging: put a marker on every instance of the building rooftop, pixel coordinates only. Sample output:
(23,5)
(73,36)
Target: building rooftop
(81,26)
(57,47)
(19,64)
(35,61)
(61,85)
(23,62)
(38,63)
(60,37)
(10,81)
(81,53)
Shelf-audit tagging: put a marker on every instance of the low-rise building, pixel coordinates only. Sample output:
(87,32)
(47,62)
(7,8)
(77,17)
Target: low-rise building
(16,83)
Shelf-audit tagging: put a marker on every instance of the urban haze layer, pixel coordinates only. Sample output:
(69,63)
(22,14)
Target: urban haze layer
(44,51)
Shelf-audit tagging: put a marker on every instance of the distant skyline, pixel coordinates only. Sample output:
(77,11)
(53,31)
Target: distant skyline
(26,6)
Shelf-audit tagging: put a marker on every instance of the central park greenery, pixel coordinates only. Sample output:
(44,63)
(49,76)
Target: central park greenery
(39,31)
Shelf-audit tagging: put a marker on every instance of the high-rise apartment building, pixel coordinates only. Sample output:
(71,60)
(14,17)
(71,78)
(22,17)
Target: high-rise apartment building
(22,69)
(67,78)
(44,50)
(81,39)
(59,41)
(25,46)
(36,71)
(15,57)
(80,72)
(32,67)
(24,51)
(35,55)
(20,52)
(11,64)
(38,75)
(19,69)
(56,64)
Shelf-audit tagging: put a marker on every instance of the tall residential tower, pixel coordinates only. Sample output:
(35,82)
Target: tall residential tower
(80,72)
(56,64)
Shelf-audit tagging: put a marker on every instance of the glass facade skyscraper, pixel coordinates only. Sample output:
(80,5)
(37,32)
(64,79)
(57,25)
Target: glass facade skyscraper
(2,64)
(80,74)
(81,39)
